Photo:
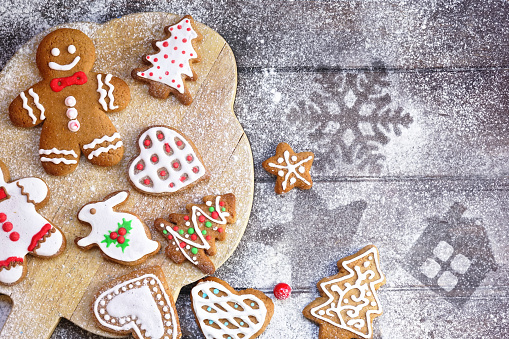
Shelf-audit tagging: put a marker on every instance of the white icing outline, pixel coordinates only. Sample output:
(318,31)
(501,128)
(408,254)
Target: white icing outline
(57,151)
(37,103)
(214,301)
(111,88)
(102,92)
(97,141)
(58,67)
(59,160)
(161,185)
(100,150)
(71,49)
(131,325)
(291,168)
(55,51)
(352,310)
(28,108)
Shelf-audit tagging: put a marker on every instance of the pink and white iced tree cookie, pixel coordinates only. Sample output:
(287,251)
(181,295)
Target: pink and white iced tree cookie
(173,62)
(168,161)
(121,236)
(23,229)
(139,303)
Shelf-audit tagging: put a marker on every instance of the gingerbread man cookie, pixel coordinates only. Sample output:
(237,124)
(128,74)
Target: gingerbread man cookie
(23,230)
(71,102)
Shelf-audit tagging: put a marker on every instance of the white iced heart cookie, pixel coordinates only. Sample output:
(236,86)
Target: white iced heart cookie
(139,303)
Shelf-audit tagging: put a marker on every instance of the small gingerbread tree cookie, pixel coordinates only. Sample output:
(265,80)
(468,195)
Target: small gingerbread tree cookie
(349,300)
(22,229)
(173,62)
(192,235)
(71,102)
(291,169)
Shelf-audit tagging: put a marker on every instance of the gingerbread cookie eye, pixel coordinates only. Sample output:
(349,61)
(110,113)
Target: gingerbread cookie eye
(55,52)
(71,49)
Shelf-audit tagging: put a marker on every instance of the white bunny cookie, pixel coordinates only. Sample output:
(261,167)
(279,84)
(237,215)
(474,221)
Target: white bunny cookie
(22,229)
(121,236)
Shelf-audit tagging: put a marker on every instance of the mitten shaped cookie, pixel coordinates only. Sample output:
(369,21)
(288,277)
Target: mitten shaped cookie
(71,102)
(192,235)
(23,229)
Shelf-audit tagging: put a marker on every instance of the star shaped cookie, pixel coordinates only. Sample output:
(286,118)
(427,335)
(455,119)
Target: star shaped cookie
(290,168)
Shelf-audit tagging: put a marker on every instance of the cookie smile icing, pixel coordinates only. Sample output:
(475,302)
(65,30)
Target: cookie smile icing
(58,67)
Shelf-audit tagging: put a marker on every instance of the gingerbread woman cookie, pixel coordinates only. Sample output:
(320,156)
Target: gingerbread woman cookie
(23,230)
(71,102)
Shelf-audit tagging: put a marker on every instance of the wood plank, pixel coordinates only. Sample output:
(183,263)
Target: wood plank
(350,126)
(345,34)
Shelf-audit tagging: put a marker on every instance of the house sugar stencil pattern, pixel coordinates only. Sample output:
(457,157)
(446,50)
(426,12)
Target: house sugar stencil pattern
(452,256)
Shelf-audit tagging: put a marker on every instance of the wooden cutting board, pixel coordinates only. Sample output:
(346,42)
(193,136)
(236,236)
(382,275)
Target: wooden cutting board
(64,286)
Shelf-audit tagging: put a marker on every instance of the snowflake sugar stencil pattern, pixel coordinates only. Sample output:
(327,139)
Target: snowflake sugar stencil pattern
(349,301)
(222,312)
(353,116)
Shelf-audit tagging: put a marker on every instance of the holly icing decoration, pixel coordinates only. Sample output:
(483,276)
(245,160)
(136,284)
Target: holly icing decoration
(349,300)
(192,235)
(119,237)
(172,64)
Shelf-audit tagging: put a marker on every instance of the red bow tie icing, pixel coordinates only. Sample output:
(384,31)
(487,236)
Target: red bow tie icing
(58,84)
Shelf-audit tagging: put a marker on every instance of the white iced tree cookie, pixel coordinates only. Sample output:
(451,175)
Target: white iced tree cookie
(349,300)
(139,303)
(121,236)
(23,229)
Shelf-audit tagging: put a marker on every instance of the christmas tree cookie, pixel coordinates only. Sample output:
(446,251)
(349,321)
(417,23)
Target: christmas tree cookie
(139,303)
(167,162)
(222,312)
(172,64)
(192,235)
(349,300)
(121,236)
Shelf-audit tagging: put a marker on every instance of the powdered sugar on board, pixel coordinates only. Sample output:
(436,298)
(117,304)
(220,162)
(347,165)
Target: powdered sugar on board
(209,122)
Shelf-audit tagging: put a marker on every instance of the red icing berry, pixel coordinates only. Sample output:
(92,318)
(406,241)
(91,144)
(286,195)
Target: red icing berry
(121,240)
(182,178)
(215,215)
(165,44)
(175,48)
(142,74)
(166,56)
(170,236)
(176,38)
(220,230)
(183,52)
(154,158)
(139,167)
(208,237)
(179,26)
(194,237)
(182,244)
(3,217)
(166,73)
(186,217)
(221,203)
(179,143)
(155,59)
(14,236)
(171,28)
(184,40)
(160,136)
(175,165)
(187,21)
(122,231)
(173,61)
(146,143)
(188,29)
(113,235)
(146,182)
(167,148)
(172,184)
(148,56)
(160,78)
(7,227)
(178,86)
(173,81)
(151,74)
(189,158)
(162,173)
(191,54)
(195,169)
(175,228)
(158,67)
(282,291)
(181,65)
(201,218)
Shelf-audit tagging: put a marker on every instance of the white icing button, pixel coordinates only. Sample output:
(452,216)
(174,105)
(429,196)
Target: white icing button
(102,311)
(121,321)
(187,223)
(373,303)
(71,49)
(158,296)
(161,303)
(103,302)
(321,312)
(366,264)
(165,309)
(167,316)
(301,169)
(70,101)
(55,52)
(73,125)
(107,317)
(370,258)
(281,173)
(292,180)
(208,203)
(124,289)
(294,158)
(188,247)
(168,323)
(280,160)
(154,289)
(152,282)
(187,235)
(71,113)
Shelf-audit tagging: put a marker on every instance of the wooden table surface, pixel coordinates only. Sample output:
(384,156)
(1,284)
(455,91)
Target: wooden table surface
(406,107)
